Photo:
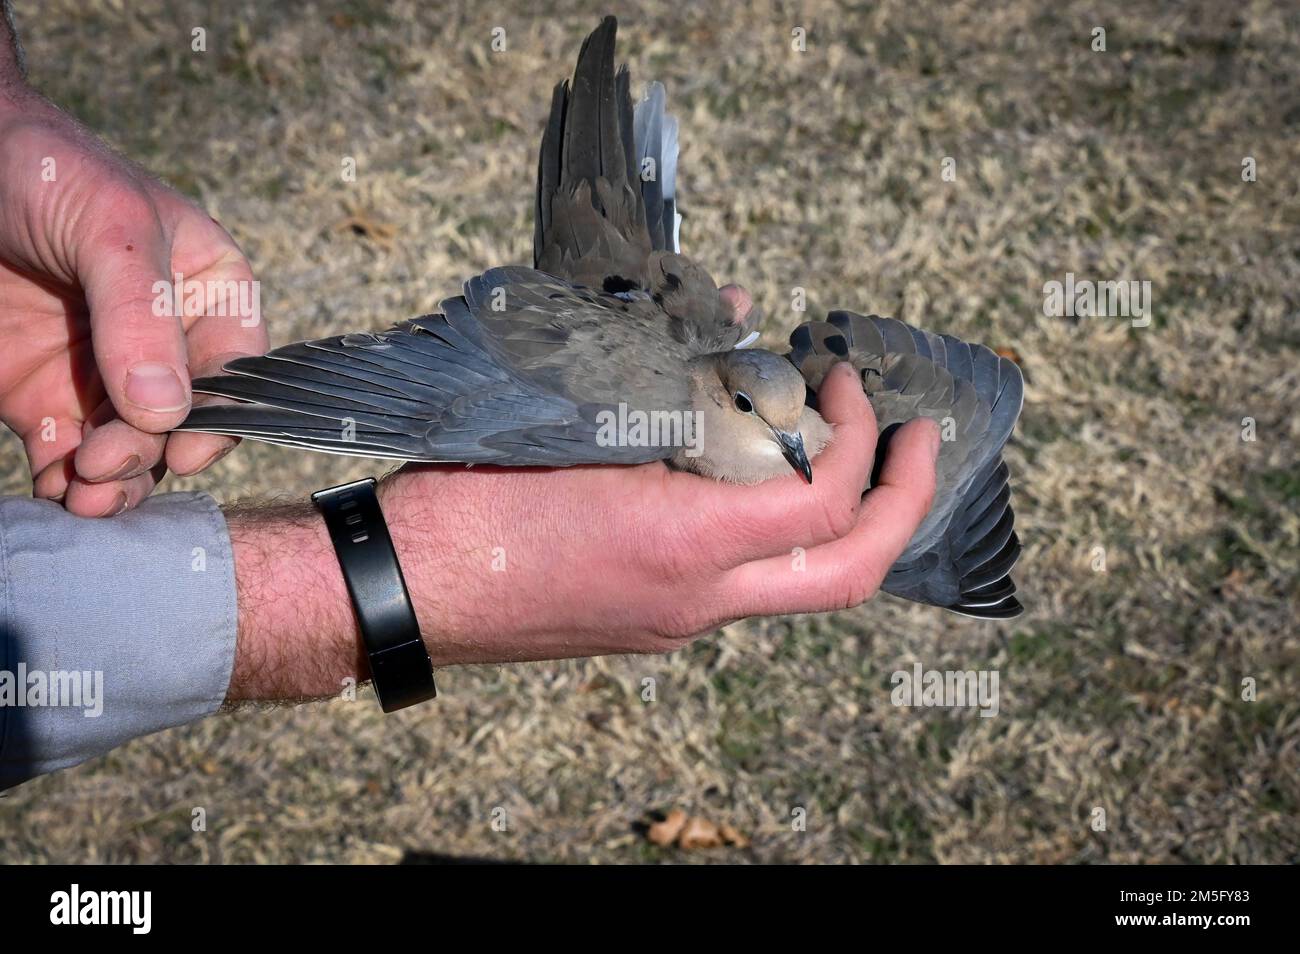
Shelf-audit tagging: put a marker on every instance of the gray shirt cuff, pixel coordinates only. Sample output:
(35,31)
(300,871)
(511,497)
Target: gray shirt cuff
(109,629)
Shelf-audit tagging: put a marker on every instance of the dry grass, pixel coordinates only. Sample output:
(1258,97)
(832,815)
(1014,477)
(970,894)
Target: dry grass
(1120,689)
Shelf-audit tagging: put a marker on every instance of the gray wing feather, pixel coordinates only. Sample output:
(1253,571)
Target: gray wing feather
(656,140)
(648,125)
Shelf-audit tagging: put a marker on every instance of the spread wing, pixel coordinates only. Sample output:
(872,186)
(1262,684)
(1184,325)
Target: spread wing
(590,222)
(523,368)
(606,213)
(962,554)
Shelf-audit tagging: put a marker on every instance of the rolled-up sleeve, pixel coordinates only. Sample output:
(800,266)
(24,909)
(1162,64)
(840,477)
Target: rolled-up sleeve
(109,629)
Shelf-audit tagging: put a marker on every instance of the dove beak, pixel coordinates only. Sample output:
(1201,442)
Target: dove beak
(792,448)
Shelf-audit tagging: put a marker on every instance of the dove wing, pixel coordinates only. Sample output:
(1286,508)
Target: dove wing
(516,371)
(590,221)
(962,554)
(606,213)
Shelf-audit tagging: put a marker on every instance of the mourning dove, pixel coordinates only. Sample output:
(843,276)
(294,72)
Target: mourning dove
(616,348)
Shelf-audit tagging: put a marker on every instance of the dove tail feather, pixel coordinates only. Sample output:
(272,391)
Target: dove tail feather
(964,551)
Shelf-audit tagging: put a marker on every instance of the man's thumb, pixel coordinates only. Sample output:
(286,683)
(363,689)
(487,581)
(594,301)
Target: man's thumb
(136,329)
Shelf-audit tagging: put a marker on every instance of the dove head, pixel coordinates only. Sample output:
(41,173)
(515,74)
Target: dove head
(752,419)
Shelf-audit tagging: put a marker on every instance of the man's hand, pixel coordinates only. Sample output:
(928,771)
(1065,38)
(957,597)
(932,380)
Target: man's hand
(92,376)
(508,565)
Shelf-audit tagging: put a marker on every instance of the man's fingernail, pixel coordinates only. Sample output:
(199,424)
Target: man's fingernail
(116,507)
(127,468)
(53,498)
(209,462)
(936,441)
(155,387)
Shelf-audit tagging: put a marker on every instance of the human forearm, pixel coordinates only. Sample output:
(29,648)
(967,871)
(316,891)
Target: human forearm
(297,636)
(509,566)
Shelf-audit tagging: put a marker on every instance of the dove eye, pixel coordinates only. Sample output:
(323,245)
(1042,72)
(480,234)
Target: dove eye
(743,404)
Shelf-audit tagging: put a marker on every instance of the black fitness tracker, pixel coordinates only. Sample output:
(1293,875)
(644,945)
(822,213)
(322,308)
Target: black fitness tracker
(400,668)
